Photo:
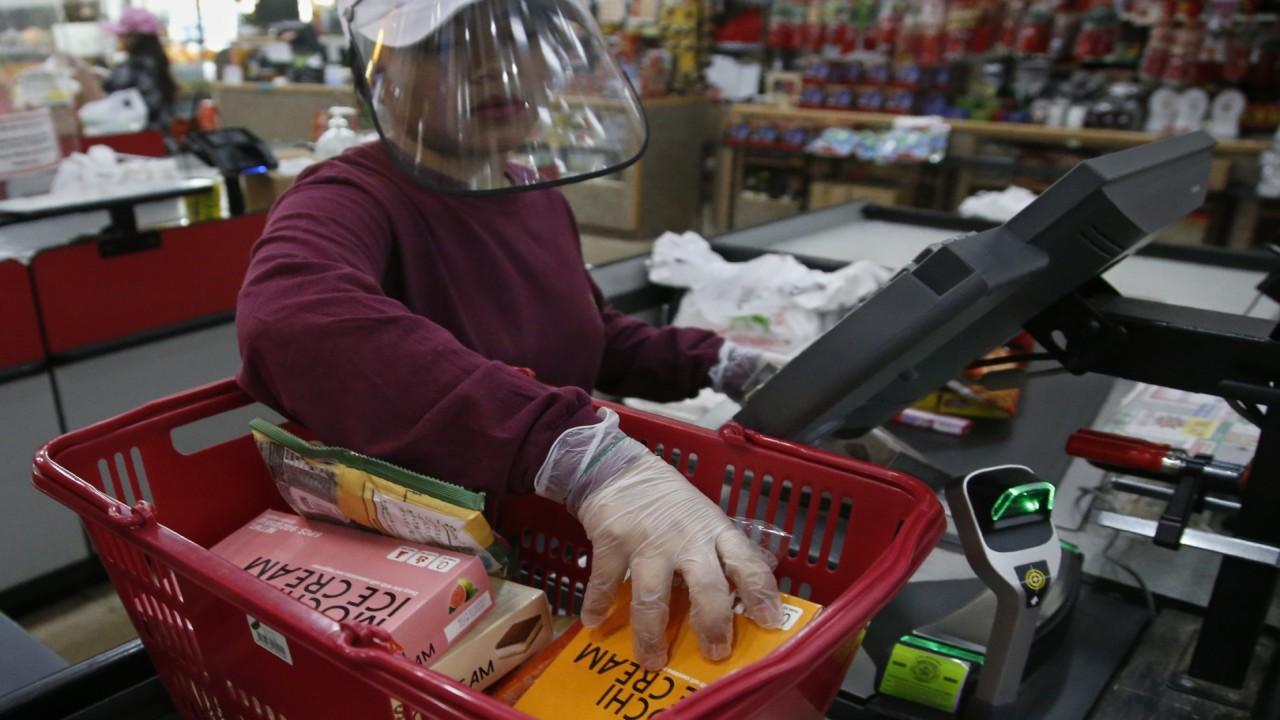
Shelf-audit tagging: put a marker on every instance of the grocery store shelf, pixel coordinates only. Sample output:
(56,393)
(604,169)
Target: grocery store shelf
(1086,137)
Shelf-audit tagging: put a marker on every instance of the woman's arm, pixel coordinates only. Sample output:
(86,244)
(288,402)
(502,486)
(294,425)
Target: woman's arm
(321,342)
(661,364)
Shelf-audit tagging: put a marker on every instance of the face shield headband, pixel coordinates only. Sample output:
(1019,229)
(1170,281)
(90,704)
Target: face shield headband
(491,96)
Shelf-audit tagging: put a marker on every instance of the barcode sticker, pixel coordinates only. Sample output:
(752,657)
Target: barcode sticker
(269,640)
(790,613)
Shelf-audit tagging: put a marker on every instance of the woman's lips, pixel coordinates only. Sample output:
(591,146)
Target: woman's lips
(497,108)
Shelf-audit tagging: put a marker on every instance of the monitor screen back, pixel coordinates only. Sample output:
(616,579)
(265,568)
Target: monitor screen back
(957,301)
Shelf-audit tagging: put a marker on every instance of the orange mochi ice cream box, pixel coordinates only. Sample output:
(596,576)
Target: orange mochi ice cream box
(425,597)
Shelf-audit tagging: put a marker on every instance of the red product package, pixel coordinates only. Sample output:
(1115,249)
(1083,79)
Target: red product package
(1235,66)
(888,24)
(1035,32)
(1010,26)
(1181,69)
(962,21)
(1156,54)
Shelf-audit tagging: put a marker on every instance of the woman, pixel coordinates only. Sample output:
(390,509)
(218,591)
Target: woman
(397,288)
(146,68)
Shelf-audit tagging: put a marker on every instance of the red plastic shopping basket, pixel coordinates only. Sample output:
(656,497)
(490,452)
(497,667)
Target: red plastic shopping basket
(154,503)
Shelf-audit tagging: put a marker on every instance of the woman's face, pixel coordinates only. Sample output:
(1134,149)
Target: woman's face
(470,89)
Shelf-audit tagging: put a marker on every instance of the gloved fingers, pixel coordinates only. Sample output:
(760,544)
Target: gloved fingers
(650,607)
(608,567)
(751,576)
(711,603)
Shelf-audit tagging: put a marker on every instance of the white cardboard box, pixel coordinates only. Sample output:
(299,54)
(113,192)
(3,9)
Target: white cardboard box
(515,630)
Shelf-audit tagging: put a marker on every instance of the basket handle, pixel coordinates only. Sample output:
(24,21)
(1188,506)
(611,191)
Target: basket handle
(57,482)
(373,647)
(734,434)
(53,479)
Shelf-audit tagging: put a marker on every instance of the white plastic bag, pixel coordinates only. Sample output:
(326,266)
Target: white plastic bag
(101,169)
(123,111)
(998,205)
(773,302)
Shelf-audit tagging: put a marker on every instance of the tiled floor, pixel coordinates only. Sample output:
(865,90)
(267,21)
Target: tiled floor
(82,625)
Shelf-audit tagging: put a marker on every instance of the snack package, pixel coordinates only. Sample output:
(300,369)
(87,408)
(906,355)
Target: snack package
(595,676)
(1021,344)
(339,485)
(426,598)
(518,627)
(971,401)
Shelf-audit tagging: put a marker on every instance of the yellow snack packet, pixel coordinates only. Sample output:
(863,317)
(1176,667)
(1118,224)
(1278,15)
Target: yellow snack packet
(340,485)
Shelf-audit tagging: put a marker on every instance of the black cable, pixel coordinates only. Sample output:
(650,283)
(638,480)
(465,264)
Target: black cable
(1147,595)
(1103,498)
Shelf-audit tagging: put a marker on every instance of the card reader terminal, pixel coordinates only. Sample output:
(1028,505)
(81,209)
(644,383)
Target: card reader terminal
(1003,517)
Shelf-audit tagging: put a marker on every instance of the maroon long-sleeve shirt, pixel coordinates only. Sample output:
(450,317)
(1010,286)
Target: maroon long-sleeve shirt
(387,318)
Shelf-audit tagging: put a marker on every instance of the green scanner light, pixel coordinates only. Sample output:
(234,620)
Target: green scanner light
(1019,500)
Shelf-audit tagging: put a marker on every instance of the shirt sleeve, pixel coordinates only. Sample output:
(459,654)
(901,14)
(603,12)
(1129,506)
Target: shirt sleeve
(120,78)
(323,343)
(662,364)
(640,360)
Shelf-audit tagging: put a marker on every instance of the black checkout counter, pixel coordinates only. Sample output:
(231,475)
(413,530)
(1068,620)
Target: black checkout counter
(120,683)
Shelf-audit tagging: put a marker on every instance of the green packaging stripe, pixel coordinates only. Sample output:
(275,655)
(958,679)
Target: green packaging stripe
(429,486)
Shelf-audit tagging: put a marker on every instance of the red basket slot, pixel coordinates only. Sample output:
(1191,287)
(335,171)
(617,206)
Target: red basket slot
(191,607)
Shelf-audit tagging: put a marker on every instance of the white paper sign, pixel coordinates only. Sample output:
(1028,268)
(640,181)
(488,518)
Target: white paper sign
(28,141)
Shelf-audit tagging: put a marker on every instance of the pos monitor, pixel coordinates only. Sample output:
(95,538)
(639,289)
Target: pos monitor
(959,299)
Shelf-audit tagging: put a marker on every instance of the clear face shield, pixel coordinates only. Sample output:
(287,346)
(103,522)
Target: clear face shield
(475,96)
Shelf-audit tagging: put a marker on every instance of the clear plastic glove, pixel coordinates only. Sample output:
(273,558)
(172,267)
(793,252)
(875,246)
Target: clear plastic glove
(741,370)
(643,516)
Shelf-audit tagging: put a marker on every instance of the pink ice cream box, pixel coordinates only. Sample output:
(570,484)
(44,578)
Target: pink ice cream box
(425,597)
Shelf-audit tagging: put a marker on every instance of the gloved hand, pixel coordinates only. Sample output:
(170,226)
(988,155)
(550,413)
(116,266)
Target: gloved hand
(741,370)
(642,515)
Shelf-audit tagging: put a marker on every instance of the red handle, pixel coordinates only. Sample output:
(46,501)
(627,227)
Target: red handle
(1117,450)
